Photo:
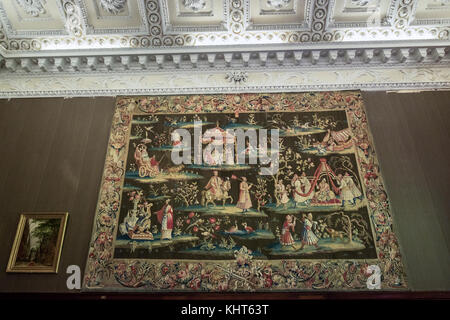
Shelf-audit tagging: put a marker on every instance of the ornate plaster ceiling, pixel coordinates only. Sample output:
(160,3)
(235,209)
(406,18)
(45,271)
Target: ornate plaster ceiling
(52,25)
(42,37)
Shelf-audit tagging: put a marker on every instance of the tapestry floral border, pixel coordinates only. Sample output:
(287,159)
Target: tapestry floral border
(245,273)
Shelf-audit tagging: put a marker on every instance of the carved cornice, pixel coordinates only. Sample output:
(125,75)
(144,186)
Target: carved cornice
(250,60)
(150,83)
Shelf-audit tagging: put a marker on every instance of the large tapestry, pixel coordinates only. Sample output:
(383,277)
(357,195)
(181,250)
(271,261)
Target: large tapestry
(242,192)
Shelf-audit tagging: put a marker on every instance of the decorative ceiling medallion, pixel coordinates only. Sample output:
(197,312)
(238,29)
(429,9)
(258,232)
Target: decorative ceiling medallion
(32,7)
(278,4)
(360,6)
(194,5)
(113,6)
(237,77)
(360,3)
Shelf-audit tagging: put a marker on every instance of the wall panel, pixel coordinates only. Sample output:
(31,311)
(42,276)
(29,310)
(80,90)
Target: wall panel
(53,153)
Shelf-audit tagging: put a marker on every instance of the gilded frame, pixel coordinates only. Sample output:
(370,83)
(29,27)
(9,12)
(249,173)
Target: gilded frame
(53,268)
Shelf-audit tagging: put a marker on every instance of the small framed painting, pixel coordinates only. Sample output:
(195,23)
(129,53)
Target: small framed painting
(38,243)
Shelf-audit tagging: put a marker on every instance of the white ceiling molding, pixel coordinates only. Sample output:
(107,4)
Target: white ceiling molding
(114,17)
(108,39)
(238,26)
(19,18)
(263,15)
(184,16)
(75,24)
(417,56)
(164,83)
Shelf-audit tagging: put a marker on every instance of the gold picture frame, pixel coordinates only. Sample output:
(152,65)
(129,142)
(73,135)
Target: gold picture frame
(38,242)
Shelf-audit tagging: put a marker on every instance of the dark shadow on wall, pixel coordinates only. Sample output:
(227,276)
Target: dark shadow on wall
(411,133)
(53,152)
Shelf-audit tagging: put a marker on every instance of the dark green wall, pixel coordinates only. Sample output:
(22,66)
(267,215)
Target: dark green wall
(53,152)
(411,134)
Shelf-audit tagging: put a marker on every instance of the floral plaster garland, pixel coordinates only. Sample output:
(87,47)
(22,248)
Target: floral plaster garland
(245,273)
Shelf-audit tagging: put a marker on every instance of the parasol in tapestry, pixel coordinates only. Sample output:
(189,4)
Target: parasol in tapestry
(242,192)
